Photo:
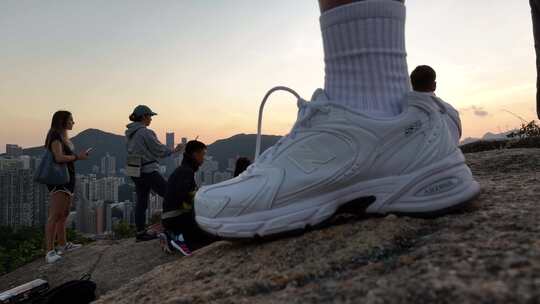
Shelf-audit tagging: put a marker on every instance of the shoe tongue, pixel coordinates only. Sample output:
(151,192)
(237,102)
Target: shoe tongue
(319,95)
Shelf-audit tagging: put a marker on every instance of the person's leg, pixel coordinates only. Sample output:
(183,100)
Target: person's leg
(157,183)
(177,228)
(142,191)
(364,54)
(54,216)
(326,5)
(195,237)
(61,223)
(535,10)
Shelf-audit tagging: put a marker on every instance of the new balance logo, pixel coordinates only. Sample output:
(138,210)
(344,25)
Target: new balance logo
(310,156)
(439,187)
(413,128)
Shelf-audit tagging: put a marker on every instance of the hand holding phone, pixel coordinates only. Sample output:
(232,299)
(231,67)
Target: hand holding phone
(89,150)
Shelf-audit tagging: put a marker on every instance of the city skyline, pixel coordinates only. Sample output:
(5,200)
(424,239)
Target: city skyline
(24,201)
(164,55)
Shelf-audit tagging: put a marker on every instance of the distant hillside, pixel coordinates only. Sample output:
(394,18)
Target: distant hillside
(489,136)
(104,142)
(101,142)
(238,145)
(487,145)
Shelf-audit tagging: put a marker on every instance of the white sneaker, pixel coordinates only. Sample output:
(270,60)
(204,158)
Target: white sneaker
(68,247)
(52,257)
(333,155)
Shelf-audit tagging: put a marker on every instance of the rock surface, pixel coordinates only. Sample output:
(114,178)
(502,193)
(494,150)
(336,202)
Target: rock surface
(111,263)
(488,252)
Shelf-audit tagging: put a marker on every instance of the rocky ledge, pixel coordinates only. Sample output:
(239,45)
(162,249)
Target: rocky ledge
(488,252)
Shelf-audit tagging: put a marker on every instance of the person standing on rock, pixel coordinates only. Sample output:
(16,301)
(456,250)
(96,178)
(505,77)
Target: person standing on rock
(180,228)
(363,136)
(424,81)
(144,146)
(61,196)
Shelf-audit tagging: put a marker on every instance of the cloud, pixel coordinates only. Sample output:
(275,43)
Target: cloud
(478,111)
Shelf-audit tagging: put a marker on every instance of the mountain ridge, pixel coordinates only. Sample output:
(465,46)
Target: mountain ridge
(104,142)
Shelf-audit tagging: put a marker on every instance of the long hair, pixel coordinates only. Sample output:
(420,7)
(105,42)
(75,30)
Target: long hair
(58,125)
(241,165)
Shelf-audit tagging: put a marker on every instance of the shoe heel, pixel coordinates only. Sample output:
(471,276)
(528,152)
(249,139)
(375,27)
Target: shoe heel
(433,193)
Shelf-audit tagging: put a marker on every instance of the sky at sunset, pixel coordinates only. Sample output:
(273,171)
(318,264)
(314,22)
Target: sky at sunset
(203,66)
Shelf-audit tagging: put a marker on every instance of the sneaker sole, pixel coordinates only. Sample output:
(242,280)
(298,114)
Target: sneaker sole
(53,261)
(431,191)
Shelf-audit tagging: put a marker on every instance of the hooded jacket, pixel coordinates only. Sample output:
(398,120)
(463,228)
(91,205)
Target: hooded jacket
(144,142)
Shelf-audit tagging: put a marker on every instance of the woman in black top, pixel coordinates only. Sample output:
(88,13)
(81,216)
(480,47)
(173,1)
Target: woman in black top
(61,196)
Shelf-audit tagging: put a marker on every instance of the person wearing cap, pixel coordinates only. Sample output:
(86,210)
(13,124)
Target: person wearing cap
(143,142)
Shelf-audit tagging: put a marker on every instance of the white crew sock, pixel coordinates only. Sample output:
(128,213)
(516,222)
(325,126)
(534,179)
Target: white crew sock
(365,57)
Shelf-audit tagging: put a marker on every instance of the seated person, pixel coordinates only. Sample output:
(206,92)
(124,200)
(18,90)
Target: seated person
(178,218)
(241,165)
(423,80)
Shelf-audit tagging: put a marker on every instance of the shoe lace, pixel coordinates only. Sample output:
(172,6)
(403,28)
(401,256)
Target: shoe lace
(306,110)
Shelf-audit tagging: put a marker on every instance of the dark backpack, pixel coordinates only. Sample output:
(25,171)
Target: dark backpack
(81,291)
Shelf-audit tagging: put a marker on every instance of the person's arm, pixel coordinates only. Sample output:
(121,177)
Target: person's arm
(155,146)
(60,157)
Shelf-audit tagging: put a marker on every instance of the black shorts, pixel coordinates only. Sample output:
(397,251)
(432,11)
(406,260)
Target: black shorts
(68,188)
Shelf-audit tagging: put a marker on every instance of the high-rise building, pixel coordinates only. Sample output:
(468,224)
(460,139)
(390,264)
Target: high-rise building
(16,197)
(107,188)
(13,150)
(23,202)
(40,204)
(169,140)
(178,160)
(155,205)
(26,162)
(231,164)
(108,165)
(108,217)
(83,221)
(34,164)
(87,185)
(103,213)
(128,212)
(205,175)
(10,164)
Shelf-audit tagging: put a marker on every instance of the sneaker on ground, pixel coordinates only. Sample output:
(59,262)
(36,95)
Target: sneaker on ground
(144,236)
(408,164)
(67,248)
(52,257)
(178,243)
